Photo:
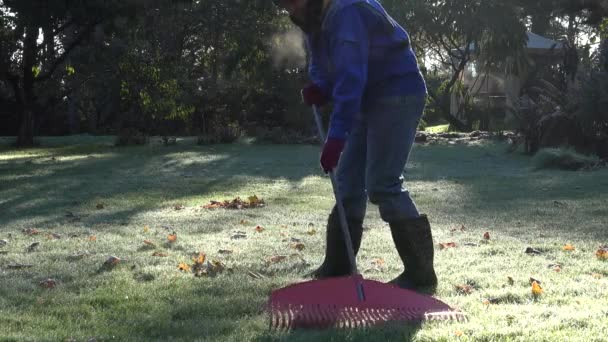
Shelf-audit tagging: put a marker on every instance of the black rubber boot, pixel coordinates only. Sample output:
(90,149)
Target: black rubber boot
(414,242)
(336,263)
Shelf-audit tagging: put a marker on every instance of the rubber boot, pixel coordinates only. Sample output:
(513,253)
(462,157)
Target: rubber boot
(414,242)
(336,263)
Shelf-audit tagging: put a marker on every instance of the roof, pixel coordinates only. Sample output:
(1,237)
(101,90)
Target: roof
(538,42)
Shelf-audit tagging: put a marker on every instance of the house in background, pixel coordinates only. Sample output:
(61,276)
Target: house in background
(497,90)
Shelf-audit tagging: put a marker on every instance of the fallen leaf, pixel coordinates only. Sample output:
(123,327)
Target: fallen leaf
(225,251)
(172,237)
(238,236)
(276,259)
(378,262)
(447,245)
(92,238)
(531,250)
(149,243)
(237,203)
(464,289)
(159,254)
(179,207)
(556,267)
(48,283)
(18,266)
(183,267)
(298,246)
(53,236)
(596,276)
(569,247)
(536,289)
(112,261)
(486,236)
(146,229)
(259,229)
(284,226)
(100,206)
(459,333)
(33,246)
(312,232)
(602,253)
(200,258)
(30,231)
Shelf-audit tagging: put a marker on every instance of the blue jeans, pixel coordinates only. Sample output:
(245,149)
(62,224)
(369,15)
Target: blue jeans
(374,158)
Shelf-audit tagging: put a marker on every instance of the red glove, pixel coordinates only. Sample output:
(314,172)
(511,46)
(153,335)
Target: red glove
(331,154)
(312,94)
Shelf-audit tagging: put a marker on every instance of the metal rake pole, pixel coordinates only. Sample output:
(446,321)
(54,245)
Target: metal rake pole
(340,205)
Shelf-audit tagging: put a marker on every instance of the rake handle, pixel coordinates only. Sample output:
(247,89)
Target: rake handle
(339,204)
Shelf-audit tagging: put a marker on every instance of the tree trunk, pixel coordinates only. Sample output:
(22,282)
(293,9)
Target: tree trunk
(26,129)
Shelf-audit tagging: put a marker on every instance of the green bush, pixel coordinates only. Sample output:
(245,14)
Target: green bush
(563,159)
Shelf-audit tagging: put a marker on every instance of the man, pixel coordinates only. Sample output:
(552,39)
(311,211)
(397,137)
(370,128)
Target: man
(362,60)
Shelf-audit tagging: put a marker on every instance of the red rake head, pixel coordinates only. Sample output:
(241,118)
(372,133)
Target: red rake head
(334,303)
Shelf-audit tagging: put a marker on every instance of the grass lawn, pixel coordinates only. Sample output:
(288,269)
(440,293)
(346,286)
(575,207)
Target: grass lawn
(80,188)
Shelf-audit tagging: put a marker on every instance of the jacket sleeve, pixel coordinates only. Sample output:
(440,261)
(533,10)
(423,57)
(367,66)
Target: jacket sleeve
(348,54)
(317,67)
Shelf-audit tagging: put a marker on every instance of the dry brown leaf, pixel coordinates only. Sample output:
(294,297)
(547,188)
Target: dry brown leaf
(183,267)
(48,283)
(30,231)
(159,254)
(112,261)
(53,236)
(199,258)
(569,247)
(447,245)
(149,243)
(536,289)
(92,238)
(602,253)
(245,222)
(486,236)
(464,289)
(556,267)
(531,250)
(458,333)
(172,237)
(33,246)
(237,203)
(179,207)
(276,259)
(298,246)
(378,262)
(259,229)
